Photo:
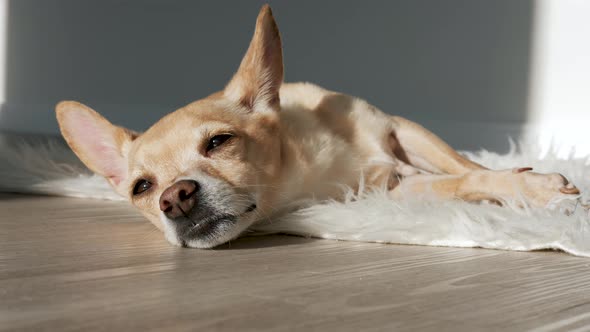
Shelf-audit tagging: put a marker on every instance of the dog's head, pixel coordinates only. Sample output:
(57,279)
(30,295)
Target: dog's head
(205,172)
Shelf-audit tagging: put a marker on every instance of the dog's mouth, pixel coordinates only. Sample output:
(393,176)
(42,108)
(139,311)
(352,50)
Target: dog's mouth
(210,226)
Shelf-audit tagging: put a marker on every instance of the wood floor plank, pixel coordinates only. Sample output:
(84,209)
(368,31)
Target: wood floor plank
(78,265)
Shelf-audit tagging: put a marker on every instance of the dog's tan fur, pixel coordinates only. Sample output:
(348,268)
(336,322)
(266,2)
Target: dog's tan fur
(290,142)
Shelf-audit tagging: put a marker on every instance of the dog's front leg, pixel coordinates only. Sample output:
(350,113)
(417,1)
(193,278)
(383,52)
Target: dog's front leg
(515,187)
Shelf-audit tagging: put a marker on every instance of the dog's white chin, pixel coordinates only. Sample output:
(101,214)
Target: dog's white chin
(229,233)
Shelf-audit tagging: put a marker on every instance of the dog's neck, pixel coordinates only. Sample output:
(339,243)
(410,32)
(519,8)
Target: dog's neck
(315,165)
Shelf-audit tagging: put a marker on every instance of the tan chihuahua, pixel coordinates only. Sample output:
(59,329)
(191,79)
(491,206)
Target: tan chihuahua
(206,172)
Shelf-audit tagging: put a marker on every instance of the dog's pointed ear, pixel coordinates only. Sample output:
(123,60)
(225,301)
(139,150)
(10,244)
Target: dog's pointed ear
(257,82)
(102,146)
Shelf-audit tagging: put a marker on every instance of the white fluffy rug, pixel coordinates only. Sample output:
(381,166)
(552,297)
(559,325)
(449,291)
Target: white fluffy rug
(47,166)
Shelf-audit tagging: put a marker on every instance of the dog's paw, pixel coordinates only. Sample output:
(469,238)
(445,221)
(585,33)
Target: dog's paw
(552,191)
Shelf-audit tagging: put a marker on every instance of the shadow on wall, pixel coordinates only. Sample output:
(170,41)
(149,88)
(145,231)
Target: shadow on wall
(460,68)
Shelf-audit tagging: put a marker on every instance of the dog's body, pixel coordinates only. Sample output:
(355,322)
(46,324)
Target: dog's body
(208,171)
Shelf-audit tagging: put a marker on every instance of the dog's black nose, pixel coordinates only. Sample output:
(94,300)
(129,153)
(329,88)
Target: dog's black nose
(179,199)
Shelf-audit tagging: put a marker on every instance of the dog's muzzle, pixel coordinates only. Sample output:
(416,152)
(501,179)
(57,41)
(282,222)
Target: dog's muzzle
(194,217)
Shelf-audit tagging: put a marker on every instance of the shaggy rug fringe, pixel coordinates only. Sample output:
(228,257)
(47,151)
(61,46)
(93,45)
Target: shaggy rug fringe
(47,166)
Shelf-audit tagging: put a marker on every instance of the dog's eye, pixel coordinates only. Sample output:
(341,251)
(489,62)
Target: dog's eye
(217,140)
(141,186)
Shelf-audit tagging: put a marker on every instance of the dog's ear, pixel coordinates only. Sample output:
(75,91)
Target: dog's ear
(256,83)
(100,145)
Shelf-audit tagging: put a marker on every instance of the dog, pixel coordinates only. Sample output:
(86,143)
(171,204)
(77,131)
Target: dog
(208,171)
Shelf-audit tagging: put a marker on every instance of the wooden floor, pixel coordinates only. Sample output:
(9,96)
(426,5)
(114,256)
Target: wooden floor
(72,264)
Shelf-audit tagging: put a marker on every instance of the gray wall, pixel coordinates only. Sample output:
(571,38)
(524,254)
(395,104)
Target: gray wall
(459,67)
